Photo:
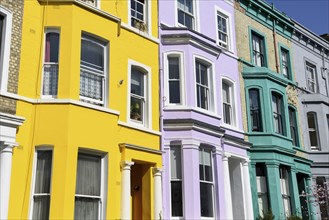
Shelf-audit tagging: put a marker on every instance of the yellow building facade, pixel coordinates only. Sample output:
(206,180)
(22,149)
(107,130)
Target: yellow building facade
(88,90)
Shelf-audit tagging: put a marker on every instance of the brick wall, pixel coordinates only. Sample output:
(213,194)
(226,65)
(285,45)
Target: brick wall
(8,105)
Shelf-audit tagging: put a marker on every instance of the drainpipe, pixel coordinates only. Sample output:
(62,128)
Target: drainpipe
(275,47)
(324,70)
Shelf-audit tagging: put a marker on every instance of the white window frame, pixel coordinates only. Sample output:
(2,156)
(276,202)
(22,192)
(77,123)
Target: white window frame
(50,30)
(34,166)
(233,98)
(201,149)
(311,76)
(96,3)
(316,130)
(177,144)
(144,25)
(211,84)
(224,14)
(5,48)
(147,113)
(104,181)
(285,190)
(194,15)
(105,75)
(180,56)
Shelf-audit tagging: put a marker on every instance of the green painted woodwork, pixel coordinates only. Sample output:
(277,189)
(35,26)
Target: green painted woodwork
(268,16)
(290,74)
(252,31)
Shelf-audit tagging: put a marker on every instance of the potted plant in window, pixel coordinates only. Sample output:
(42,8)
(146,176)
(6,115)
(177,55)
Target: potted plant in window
(135,111)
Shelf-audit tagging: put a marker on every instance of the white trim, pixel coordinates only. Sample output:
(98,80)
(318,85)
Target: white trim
(147,17)
(5,47)
(195,14)
(211,79)
(137,127)
(233,95)
(46,31)
(147,114)
(34,166)
(166,94)
(141,33)
(228,16)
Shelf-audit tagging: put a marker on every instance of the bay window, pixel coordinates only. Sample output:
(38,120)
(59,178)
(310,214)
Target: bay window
(93,70)
(278,117)
(206,182)
(50,64)
(176,181)
(42,184)
(203,85)
(255,110)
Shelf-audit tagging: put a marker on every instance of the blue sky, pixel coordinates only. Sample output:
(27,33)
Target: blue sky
(313,14)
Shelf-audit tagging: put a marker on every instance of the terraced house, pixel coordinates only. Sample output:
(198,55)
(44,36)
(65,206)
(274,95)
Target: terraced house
(311,63)
(90,145)
(280,168)
(11,15)
(206,163)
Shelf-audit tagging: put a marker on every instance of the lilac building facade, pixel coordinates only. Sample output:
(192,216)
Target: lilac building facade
(206,163)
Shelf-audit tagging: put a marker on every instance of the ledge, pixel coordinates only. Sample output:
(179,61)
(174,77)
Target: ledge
(135,147)
(139,128)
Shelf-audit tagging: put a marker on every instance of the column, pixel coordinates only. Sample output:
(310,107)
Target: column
(227,188)
(274,188)
(125,189)
(6,155)
(247,190)
(191,179)
(157,173)
(295,193)
(312,207)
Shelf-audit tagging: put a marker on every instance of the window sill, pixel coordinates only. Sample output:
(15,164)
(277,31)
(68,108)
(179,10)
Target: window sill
(138,127)
(232,128)
(146,35)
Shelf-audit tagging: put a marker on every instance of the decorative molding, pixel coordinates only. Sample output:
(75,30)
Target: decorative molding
(140,128)
(139,148)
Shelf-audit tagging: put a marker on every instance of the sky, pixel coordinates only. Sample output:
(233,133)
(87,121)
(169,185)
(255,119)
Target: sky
(312,14)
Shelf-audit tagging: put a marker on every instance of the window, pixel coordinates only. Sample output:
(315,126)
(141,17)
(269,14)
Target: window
(89,200)
(261,189)
(258,50)
(222,29)
(42,183)
(174,80)
(277,108)
(5,40)
(284,183)
(203,89)
(176,181)
(138,14)
(228,102)
(311,77)
(50,64)
(186,13)
(206,183)
(255,110)
(90,2)
(137,95)
(93,71)
(293,126)
(313,130)
(285,63)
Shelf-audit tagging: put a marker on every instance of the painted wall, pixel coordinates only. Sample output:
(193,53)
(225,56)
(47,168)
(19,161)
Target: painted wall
(67,124)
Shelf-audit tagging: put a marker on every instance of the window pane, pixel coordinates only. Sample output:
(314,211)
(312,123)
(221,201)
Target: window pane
(92,54)
(205,165)
(86,208)
(255,110)
(136,108)
(88,175)
(137,82)
(43,172)
(173,67)
(174,92)
(293,126)
(41,207)
(52,47)
(91,85)
(206,195)
(176,198)
(175,162)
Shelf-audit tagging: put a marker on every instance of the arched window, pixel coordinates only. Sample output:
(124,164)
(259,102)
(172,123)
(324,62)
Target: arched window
(278,113)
